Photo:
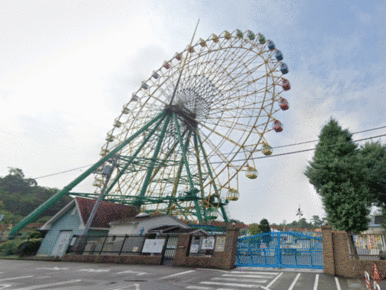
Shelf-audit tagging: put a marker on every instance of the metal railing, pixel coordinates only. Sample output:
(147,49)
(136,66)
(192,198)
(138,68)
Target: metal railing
(106,245)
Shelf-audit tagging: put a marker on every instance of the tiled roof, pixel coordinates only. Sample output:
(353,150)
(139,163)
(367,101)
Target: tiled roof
(107,212)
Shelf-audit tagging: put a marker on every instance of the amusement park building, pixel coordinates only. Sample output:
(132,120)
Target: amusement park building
(142,224)
(71,221)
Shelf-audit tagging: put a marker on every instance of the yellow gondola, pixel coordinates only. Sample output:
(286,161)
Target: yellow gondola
(232,194)
(227,35)
(110,138)
(117,124)
(125,110)
(215,38)
(267,150)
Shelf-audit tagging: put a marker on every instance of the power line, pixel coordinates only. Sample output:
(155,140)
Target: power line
(261,157)
(301,151)
(62,172)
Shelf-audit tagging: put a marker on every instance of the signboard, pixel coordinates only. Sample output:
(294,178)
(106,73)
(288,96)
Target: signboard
(220,244)
(194,248)
(153,246)
(207,243)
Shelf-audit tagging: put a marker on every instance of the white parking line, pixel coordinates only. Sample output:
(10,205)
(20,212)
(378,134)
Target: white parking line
(273,281)
(177,274)
(231,284)
(257,272)
(198,287)
(94,270)
(316,282)
(49,285)
(294,282)
(246,276)
(241,280)
(3,286)
(132,272)
(15,278)
(337,284)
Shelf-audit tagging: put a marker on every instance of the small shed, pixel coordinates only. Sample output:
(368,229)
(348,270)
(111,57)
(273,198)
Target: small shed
(71,220)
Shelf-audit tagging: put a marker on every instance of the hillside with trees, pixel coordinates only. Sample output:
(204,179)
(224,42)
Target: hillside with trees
(19,196)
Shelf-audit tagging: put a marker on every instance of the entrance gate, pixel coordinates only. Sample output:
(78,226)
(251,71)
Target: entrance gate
(280,250)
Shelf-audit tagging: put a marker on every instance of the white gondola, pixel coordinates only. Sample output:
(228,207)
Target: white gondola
(251,173)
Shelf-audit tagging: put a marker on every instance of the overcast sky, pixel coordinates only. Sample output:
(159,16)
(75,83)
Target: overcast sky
(67,67)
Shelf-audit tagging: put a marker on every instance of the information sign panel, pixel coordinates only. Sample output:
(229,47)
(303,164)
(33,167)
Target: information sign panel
(153,246)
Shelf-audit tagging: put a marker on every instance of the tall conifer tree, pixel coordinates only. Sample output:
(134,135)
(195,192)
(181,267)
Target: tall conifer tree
(337,175)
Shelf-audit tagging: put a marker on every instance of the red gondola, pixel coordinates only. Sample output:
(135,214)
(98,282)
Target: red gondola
(285,84)
(166,65)
(283,103)
(277,126)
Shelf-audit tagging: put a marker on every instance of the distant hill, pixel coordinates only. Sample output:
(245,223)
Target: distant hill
(19,196)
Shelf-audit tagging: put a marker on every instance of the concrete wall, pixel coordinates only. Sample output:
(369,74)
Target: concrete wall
(337,260)
(140,260)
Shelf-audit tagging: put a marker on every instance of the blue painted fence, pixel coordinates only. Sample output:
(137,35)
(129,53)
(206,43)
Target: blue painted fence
(280,250)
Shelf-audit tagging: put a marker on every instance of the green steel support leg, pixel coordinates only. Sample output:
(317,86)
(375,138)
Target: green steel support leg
(138,203)
(134,155)
(53,199)
(177,180)
(196,205)
(199,172)
(224,215)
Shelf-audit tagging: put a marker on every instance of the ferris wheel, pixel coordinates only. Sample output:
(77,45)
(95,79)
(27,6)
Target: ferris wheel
(195,124)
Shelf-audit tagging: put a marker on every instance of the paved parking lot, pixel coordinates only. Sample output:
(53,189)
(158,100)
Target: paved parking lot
(30,275)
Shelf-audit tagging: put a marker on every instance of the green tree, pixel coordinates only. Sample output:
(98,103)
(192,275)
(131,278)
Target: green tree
(264,226)
(317,222)
(337,175)
(253,229)
(20,196)
(373,158)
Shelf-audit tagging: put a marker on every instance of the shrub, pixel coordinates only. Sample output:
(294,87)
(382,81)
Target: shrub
(9,247)
(29,247)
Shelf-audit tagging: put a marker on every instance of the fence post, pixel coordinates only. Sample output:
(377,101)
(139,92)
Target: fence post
(328,250)
(123,243)
(100,252)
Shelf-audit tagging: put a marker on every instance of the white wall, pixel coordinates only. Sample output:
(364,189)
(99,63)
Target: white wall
(134,229)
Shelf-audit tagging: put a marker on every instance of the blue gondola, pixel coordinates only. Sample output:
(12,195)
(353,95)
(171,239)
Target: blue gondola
(279,55)
(284,68)
(271,45)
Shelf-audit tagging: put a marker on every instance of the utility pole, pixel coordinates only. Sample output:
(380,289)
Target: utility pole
(299,214)
(107,171)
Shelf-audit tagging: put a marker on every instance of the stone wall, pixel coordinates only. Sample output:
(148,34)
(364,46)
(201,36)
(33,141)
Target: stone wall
(337,260)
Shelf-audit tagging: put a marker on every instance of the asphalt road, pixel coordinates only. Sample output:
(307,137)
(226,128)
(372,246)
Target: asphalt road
(30,275)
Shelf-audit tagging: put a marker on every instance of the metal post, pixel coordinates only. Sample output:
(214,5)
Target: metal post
(197,207)
(123,243)
(177,180)
(134,156)
(104,242)
(224,215)
(49,203)
(100,197)
(199,172)
(138,203)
